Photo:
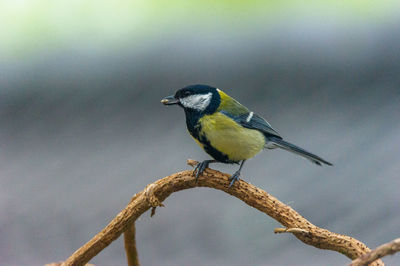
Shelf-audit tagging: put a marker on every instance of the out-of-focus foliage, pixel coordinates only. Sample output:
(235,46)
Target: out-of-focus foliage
(32,26)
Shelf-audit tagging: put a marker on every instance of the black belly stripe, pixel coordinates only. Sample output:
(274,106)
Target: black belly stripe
(194,128)
(216,154)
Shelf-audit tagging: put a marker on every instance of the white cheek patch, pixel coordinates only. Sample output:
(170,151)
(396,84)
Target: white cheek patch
(198,101)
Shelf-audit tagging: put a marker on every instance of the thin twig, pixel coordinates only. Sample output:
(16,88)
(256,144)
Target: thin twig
(157,192)
(130,246)
(381,251)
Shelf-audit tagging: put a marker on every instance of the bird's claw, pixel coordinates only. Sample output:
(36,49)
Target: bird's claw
(199,169)
(234,178)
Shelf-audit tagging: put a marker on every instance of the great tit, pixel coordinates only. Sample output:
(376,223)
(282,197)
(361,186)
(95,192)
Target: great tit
(227,130)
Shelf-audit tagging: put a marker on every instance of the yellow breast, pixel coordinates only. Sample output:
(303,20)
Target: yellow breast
(225,135)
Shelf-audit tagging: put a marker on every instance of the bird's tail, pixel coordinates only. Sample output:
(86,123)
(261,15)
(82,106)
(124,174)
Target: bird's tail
(276,142)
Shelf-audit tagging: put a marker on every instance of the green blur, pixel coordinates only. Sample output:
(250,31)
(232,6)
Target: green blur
(30,27)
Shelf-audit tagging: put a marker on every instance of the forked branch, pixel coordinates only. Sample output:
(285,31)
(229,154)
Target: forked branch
(154,194)
(381,251)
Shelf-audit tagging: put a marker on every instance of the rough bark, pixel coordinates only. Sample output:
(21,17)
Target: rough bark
(155,193)
(381,251)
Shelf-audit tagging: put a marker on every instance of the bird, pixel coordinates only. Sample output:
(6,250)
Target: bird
(227,130)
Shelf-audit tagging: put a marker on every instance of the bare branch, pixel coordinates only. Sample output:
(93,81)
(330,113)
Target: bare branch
(381,251)
(61,263)
(154,194)
(130,246)
(290,230)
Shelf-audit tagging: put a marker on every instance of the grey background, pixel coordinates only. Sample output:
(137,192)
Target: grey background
(82,130)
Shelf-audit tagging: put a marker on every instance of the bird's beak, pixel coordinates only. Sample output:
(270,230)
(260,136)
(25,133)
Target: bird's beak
(169,100)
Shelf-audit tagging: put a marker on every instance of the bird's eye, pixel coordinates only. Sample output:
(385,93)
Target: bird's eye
(186,93)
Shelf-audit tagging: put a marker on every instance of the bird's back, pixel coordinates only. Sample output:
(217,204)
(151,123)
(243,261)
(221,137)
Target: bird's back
(230,105)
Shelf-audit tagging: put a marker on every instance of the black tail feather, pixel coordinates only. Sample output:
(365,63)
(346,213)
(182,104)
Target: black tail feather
(295,149)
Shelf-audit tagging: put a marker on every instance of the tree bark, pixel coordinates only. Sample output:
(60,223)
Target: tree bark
(155,193)
(381,251)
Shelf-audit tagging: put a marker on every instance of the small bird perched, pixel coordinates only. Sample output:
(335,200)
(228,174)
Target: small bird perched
(227,130)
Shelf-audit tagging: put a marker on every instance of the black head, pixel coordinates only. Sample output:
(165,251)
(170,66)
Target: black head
(195,98)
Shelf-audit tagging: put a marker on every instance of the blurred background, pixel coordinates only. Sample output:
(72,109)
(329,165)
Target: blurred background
(82,128)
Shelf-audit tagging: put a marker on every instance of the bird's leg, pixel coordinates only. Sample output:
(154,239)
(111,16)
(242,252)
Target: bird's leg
(200,167)
(236,175)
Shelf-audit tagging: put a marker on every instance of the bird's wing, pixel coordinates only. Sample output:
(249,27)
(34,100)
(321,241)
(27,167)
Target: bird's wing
(238,112)
(253,121)
(230,105)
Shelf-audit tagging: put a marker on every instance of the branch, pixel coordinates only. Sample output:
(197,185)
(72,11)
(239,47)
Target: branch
(130,246)
(154,194)
(381,251)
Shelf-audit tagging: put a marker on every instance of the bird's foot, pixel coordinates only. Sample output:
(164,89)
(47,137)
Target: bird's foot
(234,178)
(200,167)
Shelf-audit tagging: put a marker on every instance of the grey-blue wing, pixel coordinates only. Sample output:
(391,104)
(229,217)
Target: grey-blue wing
(254,121)
(274,140)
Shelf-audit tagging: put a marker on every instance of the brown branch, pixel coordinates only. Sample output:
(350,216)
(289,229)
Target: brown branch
(61,263)
(130,246)
(381,251)
(154,194)
(290,230)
